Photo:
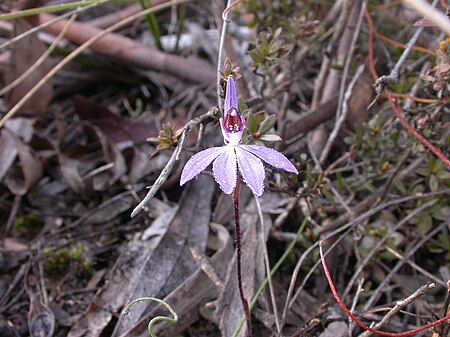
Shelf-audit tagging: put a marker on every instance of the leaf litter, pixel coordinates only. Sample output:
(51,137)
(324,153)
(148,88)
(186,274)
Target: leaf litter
(76,158)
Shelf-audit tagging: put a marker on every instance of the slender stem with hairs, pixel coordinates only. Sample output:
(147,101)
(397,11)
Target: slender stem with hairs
(238,257)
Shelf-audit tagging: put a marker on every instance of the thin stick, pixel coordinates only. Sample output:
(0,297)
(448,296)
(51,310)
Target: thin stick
(275,268)
(399,306)
(359,291)
(330,52)
(267,264)
(343,115)
(415,266)
(47,9)
(343,108)
(431,13)
(383,240)
(414,133)
(220,58)
(79,50)
(238,257)
(380,84)
(356,319)
(49,23)
(41,59)
(168,168)
(425,238)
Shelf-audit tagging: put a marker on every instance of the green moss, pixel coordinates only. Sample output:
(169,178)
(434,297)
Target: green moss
(73,260)
(28,225)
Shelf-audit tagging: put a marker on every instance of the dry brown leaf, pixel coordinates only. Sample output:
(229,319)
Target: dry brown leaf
(12,245)
(21,127)
(112,165)
(8,151)
(140,271)
(229,301)
(70,172)
(114,294)
(25,53)
(26,171)
(194,292)
(117,128)
(41,321)
(253,269)
(140,165)
(171,263)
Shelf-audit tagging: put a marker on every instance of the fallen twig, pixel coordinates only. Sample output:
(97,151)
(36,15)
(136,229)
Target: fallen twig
(90,41)
(345,96)
(169,166)
(131,51)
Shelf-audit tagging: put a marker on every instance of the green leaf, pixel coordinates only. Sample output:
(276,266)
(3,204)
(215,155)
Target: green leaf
(425,223)
(252,124)
(267,124)
(327,194)
(441,213)
(400,186)
(242,107)
(423,172)
(443,175)
(340,181)
(152,24)
(433,183)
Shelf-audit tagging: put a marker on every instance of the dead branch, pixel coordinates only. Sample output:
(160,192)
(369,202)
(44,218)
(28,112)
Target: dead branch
(127,50)
(169,166)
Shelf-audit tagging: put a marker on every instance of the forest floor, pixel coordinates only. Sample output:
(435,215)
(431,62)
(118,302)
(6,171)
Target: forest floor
(103,102)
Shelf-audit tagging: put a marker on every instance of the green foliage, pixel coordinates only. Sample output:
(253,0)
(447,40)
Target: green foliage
(152,24)
(267,51)
(258,127)
(168,137)
(28,225)
(71,260)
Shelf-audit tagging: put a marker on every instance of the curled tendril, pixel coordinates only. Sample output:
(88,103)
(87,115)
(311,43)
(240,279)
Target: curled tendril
(156,319)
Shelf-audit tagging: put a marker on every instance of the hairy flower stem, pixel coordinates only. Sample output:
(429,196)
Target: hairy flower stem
(238,257)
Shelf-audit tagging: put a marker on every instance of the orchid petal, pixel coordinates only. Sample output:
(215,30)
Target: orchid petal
(225,171)
(230,96)
(271,156)
(198,162)
(252,170)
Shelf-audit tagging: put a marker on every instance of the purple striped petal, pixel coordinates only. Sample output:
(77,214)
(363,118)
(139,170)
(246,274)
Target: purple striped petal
(271,156)
(198,162)
(224,170)
(230,96)
(252,170)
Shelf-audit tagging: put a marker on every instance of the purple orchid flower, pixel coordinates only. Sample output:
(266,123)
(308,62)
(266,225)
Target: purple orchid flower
(227,159)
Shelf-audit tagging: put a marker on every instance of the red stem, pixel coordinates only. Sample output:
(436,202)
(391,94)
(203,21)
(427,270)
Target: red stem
(361,324)
(370,45)
(238,257)
(396,110)
(229,8)
(413,132)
